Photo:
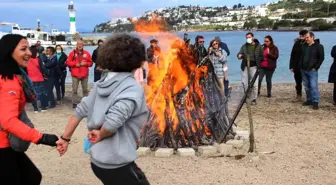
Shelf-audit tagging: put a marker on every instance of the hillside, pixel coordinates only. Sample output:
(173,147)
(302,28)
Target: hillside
(265,16)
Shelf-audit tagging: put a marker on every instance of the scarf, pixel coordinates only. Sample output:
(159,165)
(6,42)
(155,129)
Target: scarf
(58,55)
(28,87)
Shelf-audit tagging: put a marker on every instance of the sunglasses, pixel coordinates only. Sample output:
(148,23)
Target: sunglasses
(201,41)
(215,44)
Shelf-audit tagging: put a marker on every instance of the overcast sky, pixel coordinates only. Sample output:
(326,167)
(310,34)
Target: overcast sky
(91,12)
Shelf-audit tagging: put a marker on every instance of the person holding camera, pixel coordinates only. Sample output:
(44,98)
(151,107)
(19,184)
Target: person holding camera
(218,58)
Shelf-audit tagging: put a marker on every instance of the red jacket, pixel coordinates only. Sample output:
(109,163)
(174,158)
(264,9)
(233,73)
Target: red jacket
(75,58)
(34,72)
(12,102)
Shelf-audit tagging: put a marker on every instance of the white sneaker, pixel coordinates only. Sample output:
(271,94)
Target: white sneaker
(35,112)
(43,110)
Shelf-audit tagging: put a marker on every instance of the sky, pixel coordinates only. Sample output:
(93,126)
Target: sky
(91,12)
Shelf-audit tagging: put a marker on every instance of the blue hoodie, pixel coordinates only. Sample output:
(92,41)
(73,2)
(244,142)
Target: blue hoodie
(118,105)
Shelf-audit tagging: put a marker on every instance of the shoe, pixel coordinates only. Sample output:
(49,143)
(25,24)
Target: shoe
(254,102)
(74,106)
(315,106)
(52,106)
(334,103)
(307,103)
(269,96)
(44,110)
(297,99)
(35,111)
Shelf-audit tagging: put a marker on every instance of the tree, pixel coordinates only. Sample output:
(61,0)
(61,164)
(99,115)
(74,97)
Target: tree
(240,5)
(234,17)
(235,6)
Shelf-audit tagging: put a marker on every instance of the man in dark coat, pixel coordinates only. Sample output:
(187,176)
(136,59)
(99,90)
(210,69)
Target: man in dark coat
(199,51)
(311,61)
(97,69)
(332,74)
(294,63)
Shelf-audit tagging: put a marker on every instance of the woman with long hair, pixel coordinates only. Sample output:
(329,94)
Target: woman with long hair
(116,110)
(15,90)
(35,73)
(218,58)
(268,64)
(61,59)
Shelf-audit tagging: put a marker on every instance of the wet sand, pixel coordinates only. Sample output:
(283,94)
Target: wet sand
(303,141)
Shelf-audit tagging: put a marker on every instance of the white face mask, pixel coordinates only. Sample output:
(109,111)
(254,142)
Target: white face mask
(249,40)
(59,51)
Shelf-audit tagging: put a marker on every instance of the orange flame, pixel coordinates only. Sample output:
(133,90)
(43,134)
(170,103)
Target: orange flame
(170,78)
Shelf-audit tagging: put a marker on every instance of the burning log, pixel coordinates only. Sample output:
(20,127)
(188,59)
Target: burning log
(187,108)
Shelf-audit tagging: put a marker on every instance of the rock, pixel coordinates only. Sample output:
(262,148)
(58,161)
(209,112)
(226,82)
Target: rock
(207,150)
(186,152)
(164,152)
(243,134)
(225,149)
(236,143)
(143,151)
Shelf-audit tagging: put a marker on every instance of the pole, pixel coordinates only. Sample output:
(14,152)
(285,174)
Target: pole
(249,111)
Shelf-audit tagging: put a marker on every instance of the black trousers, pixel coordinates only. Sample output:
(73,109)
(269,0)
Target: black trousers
(57,84)
(62,83)
(96,75)
(334,92)
(298,81)
(17,169)
(269,74)
(126,175)
(49,85)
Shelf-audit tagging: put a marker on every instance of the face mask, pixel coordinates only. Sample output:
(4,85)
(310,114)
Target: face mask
(249,40)
(59,51)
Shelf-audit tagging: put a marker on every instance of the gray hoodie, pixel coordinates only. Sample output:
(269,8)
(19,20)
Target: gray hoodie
(119,106)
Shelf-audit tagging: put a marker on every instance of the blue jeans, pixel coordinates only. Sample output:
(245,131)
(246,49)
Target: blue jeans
(310,82)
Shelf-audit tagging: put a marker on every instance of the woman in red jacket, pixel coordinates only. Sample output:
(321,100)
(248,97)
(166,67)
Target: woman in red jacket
(15,90)
(35,69)
(268,64)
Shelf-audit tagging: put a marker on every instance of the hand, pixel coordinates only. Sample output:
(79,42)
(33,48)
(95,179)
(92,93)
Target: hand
(77,65)
(48,139)
(292,70)
(268,50)
(240,56)
(83,63)
(62,146)
(219,54)
(95,136)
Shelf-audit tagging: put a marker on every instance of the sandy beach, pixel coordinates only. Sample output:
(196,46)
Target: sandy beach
(303,141)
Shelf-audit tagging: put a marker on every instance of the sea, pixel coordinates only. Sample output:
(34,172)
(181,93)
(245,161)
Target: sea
(235,39)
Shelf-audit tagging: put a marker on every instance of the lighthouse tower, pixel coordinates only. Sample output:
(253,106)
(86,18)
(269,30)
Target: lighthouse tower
(72,15)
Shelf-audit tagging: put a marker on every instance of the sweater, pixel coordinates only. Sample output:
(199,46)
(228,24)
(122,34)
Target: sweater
(119,106)
(218,62)
(34,72)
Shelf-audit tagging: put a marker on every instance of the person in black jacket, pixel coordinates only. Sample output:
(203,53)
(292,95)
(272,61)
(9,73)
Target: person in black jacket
(332,74)
(311,60)
(199,51)
(97,69)
(61,71)
(294,63)
(51,66)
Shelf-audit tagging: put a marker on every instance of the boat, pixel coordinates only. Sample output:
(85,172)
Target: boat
(37,36)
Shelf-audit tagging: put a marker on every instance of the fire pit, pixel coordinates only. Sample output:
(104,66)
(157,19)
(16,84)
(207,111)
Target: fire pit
(186,106)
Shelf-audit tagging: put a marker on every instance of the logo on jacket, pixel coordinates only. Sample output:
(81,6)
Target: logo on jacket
(12,92)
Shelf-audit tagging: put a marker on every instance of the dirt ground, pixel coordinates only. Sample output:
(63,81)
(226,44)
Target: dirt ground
(304,142)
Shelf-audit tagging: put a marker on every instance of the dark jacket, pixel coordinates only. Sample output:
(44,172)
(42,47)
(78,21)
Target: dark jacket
(95,57)
(151,51)
(42,60)
(272,57)
(199,52)
(225,47)
(51,66)
(296,55)
(258,52)
(315,58)
(62,62)
(332,73)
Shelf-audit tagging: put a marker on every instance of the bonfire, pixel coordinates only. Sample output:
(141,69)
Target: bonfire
(184,99)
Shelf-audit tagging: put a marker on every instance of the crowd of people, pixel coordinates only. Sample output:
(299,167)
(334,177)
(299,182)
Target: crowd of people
(116,107)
